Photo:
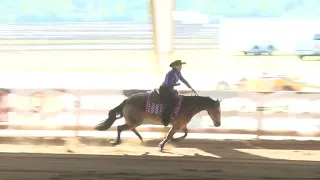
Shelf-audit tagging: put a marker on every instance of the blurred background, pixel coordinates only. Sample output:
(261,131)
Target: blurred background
(231,47)
(263,44)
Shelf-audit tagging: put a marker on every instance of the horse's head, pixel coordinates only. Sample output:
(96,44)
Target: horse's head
(214,111)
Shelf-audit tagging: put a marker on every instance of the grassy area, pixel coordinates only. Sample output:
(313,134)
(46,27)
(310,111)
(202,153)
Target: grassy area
(141,61)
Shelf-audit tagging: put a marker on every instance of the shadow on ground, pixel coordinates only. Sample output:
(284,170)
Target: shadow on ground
(188,159)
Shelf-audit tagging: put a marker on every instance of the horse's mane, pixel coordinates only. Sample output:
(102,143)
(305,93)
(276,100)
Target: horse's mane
(200,100)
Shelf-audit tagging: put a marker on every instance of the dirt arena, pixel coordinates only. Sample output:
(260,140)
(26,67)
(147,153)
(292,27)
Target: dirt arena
(189,159)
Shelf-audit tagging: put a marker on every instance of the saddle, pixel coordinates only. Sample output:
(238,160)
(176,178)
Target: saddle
(154,96)
(155,106)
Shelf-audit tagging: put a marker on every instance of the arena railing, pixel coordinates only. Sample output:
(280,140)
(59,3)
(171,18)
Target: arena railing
(252,113)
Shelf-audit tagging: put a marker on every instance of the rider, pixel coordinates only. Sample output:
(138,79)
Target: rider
(167,89)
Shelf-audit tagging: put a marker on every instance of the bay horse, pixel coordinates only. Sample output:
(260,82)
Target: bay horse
(139,107)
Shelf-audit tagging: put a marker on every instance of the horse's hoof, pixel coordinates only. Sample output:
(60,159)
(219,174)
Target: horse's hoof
(143,143)
(114,143)
(70,151)
(161,147)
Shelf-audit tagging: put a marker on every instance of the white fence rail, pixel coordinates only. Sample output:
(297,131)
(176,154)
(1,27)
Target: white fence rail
(275,113)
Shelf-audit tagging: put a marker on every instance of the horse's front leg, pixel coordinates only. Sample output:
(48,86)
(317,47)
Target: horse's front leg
(185,131)
(169,136)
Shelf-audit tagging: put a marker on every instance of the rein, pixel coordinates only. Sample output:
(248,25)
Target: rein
(196,94)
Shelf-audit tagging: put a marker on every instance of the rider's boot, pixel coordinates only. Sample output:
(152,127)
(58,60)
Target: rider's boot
(165,117)
(167,112)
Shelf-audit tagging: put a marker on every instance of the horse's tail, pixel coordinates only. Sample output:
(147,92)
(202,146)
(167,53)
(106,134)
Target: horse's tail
(114,114)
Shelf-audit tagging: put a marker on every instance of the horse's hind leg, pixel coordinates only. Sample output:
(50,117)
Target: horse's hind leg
(120,128)
(125,127)
(185,130)
(137,133)
(133,119)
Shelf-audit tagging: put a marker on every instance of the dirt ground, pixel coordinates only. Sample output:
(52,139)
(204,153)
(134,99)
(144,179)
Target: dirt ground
(189,159)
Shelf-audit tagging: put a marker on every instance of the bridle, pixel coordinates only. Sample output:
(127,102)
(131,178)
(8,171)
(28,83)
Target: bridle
(193,93)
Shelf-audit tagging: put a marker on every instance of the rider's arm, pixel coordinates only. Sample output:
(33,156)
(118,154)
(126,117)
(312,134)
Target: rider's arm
(183,80)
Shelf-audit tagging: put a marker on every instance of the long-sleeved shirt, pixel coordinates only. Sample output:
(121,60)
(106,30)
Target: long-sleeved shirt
(172,78)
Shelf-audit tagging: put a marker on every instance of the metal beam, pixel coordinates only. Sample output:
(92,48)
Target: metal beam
(162,22)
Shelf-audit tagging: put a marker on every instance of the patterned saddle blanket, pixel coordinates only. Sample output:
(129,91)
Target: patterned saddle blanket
(153,105)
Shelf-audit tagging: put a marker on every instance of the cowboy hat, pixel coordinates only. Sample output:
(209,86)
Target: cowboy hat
(177,63)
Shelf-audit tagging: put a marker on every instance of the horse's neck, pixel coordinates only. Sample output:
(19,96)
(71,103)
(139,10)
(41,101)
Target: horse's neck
(197,110)
(196,106)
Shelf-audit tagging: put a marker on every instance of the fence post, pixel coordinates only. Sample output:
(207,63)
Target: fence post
(77,106)
(260,110)
(4,108)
